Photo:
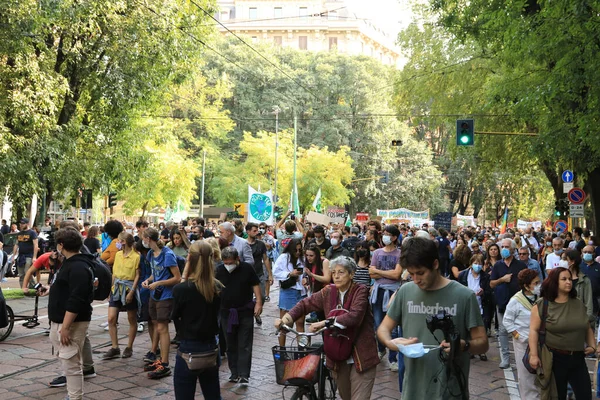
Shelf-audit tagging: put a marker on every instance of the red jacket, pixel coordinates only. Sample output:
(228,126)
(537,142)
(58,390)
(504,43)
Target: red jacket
(364,350)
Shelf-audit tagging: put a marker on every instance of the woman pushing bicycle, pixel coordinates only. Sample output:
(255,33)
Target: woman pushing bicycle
(350,346)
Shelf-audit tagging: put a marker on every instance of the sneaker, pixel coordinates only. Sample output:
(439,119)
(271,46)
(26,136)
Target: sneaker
(89,374)
(140,327)
(504,364)
(112,353)
(267,299)
(483,357)
(150,357)
(160,372)
(104,324)
(153,366)
(59,381)
(128,352)
(258,320)
(243,381)
(234,379)
(394,367)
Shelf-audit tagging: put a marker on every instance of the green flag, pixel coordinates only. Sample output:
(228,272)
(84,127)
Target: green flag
(316,205)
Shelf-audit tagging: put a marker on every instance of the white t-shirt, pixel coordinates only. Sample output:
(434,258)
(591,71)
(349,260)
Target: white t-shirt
(475,287)
(552,261)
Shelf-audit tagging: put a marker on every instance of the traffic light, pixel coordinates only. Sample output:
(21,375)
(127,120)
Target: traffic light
(385,177)
(396,142)
(465,132)
(277,212)
(561,208)
(112,199)
(86,199)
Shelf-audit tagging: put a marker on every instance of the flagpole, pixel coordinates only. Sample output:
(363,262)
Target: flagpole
(202,190)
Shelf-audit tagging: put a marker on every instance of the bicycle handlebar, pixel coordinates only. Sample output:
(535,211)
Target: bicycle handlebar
(284,327)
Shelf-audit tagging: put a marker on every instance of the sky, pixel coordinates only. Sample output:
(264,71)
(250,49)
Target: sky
(389,15)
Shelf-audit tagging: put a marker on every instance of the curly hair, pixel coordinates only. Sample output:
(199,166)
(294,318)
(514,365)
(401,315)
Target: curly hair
(526,276)
(462,254)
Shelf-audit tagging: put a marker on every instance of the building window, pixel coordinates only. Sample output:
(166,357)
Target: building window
(332,15)
(278,12)
(303,11)
(224,16)
(254,39)
(303,42)
(277,40)
(332,43)
(253,13)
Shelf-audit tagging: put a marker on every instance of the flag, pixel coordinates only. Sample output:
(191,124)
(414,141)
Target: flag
(348,221)
(295,202)
(179,212)
(316,205)
(504,220)
(260,206)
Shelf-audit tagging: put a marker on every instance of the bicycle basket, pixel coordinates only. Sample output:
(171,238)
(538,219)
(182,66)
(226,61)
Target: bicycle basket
(296,366)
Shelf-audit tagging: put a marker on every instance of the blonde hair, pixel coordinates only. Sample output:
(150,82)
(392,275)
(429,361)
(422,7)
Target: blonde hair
(214,243)
(201,271)
(127,237)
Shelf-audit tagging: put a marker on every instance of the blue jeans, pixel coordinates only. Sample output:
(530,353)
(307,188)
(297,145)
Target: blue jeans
(184,380)
(378,316)
(401,367)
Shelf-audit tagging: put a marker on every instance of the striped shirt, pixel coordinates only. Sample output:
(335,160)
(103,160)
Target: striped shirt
(362,276)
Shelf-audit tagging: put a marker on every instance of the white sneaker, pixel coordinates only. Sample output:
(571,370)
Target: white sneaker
(104,324)
(394,367)
(140,327)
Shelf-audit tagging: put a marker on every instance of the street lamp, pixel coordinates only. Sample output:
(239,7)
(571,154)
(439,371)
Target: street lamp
(276,111)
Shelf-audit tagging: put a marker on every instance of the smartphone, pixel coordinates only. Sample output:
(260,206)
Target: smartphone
(293,216)
(38,287)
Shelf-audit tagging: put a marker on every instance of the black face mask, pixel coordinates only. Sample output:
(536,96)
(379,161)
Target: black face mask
(362,252)
(193,236)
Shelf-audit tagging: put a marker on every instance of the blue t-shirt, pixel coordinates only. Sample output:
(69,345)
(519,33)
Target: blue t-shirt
(161,272)
(443,247)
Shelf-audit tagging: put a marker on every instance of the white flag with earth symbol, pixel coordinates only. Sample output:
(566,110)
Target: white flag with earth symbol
(260,206)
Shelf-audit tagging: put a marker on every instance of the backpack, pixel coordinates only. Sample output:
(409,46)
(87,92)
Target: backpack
(101,271)
(180,263)
(338,343)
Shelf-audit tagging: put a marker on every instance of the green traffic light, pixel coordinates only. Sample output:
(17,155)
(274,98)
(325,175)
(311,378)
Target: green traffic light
(464,139)
(557,213)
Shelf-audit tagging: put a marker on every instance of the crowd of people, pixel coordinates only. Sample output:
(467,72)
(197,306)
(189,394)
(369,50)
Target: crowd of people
(426,298)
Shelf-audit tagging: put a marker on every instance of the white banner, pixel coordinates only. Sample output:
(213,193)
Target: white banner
(260,206)
(465,220)
(524,224)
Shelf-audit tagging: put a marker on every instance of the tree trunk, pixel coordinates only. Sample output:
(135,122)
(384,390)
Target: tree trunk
(593,191)
(144,210)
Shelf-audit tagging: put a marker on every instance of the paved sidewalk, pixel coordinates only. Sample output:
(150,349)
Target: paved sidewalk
(27,365)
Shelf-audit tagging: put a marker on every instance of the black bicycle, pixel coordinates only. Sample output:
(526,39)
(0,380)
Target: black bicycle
(31,321)
(303,367)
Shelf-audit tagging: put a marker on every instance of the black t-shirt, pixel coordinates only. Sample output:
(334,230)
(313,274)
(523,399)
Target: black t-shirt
(165,233)
(92,244)
(322,247)
(580,245)
(198,318)
(259,249)
(208,233)
(350,244)
(25,242)
(238,285)
(72,290)
(457,264)
(504,291)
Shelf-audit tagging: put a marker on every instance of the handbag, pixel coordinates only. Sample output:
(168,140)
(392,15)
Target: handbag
(541,339)
(198,362)
(289,282)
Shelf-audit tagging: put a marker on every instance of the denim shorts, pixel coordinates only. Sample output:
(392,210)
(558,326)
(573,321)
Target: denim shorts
(288,298)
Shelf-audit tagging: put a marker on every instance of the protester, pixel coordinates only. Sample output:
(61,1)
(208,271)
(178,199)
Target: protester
(591,268)
(354,377)
(179,242)
(362,257)
(27,248)
(530,262)
(124,294)
(196,306)
(165,275)
(238,311)
(261,262)
(112,228)
(581,283)
(460,261)
(425,377)
(569,338)
(336,249)
(227,232)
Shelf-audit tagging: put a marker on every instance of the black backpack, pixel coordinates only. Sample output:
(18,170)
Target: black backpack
(101,271)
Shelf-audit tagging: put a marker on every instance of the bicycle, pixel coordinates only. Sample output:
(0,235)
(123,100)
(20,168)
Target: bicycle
(303,367)
(31,321)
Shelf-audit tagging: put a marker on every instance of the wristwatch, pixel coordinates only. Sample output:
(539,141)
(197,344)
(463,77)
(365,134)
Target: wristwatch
(466,346)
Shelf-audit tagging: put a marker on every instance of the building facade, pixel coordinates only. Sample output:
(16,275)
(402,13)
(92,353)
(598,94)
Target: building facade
(312,25)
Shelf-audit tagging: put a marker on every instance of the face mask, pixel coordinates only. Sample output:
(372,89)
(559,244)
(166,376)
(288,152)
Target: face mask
(587,257)
(505,253)
(129,231)
(146,245)
(563,264)
(386,240)
(548,244)
(119,245)
(193,236)
(559,251)
(261,231)
(335,242)
(537,289)
(410,233)
(413,350)
(371,253)
(230,267)
(362,253)
(476,268)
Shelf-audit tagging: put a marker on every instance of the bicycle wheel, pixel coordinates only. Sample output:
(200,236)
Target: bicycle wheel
(5,332)
(302,394)
(330,387)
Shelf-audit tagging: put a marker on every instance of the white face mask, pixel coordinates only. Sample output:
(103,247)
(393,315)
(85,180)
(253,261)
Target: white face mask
(537,289)
(335,242)
(145,244)
(230,267)
(386,240)
(563,264)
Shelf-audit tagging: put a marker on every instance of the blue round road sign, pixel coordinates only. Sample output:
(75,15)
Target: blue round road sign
(567,176)
(560,226)
(576,196)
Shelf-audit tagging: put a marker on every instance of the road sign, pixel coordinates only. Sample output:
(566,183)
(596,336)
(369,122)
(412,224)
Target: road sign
(576,196)
(567,187)
(576,210)
(560,225)
(567,176)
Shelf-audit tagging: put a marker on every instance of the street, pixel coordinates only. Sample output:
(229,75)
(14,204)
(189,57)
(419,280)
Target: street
(27,365)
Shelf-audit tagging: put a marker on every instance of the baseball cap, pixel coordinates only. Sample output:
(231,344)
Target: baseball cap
(24,221)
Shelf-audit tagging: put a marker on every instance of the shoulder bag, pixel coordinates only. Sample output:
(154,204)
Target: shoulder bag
(541,339)
(198,362)
(289,282)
